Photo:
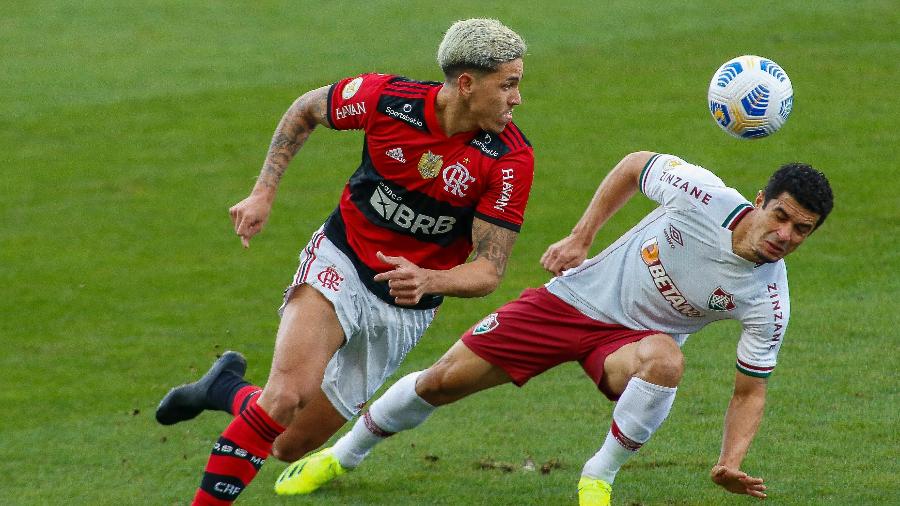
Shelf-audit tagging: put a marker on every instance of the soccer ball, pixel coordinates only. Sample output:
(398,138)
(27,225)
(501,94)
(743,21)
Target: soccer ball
(750,97)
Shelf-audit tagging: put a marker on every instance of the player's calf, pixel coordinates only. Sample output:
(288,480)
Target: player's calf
(458,374)
(237,456)
(400,408)
(639,412)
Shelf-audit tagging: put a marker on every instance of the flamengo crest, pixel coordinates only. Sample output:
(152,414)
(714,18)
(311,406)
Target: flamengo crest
(457,179)
(330,278)
(720,300)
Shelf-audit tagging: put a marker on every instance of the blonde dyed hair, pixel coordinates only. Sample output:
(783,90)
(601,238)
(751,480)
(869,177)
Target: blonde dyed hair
(478,44)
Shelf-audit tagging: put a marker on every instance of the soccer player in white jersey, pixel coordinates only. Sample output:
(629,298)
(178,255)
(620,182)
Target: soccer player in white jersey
(704,254)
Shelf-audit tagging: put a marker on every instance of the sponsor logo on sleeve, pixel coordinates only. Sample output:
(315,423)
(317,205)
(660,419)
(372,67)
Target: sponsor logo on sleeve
(506,190)
(671,163)
(686,186)
(351,88)
(354,109)
(778,321)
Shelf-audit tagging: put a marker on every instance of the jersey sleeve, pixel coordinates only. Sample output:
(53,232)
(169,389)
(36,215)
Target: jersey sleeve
(763,335)
(504,202)
(353,100)
(680,186)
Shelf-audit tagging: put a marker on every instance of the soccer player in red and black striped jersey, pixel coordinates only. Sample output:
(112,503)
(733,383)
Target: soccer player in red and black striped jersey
(444,175)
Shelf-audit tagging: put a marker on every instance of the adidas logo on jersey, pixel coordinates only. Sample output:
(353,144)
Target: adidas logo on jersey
(396,154)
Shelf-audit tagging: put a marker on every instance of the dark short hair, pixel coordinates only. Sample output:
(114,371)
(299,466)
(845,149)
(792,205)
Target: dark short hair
(808,186)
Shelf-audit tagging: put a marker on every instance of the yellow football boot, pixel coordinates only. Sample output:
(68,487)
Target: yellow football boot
(309,473)
(593,492)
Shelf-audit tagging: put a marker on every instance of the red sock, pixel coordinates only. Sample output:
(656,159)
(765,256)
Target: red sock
(242,398)
(237,456)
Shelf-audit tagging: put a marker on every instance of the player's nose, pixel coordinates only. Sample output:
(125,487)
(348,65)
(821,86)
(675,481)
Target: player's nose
(515,98)
(784,232)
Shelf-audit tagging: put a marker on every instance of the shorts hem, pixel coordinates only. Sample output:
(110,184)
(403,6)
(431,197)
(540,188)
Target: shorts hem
(338,405)
(518,379)
(349,328)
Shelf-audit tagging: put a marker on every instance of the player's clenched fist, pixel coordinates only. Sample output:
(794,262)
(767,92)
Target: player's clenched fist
(564,254)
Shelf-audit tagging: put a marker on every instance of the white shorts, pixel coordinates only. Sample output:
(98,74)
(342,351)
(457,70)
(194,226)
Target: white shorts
(377,335)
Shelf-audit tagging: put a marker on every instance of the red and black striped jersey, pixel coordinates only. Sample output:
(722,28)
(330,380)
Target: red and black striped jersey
(416,190)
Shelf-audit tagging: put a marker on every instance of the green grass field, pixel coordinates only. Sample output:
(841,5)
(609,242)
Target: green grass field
(128,129)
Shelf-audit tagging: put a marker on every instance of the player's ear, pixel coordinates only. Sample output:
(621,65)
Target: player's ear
(760,198)
(465,83)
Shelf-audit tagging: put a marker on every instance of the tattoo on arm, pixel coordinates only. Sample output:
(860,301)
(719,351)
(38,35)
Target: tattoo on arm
(493,243)
(298,122)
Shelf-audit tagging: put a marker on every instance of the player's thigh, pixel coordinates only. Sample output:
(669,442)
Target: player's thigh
(310,429)
(459,373)
(634,358)
(308,336)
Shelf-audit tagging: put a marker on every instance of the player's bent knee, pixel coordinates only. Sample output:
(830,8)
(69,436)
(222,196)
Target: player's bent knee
(661,361)
(668,370)
(283,403)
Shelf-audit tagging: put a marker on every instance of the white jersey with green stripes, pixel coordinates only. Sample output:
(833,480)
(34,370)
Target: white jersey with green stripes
(675,271)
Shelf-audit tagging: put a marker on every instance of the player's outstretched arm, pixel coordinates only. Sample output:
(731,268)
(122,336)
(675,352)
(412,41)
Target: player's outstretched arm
(478,277)
(742,420)
(250,215)
(614,191)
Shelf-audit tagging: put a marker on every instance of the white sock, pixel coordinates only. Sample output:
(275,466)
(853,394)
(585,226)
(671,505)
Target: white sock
(641,409)
(399,409)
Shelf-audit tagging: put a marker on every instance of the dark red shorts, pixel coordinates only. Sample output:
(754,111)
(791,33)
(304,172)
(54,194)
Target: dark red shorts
(538,331)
